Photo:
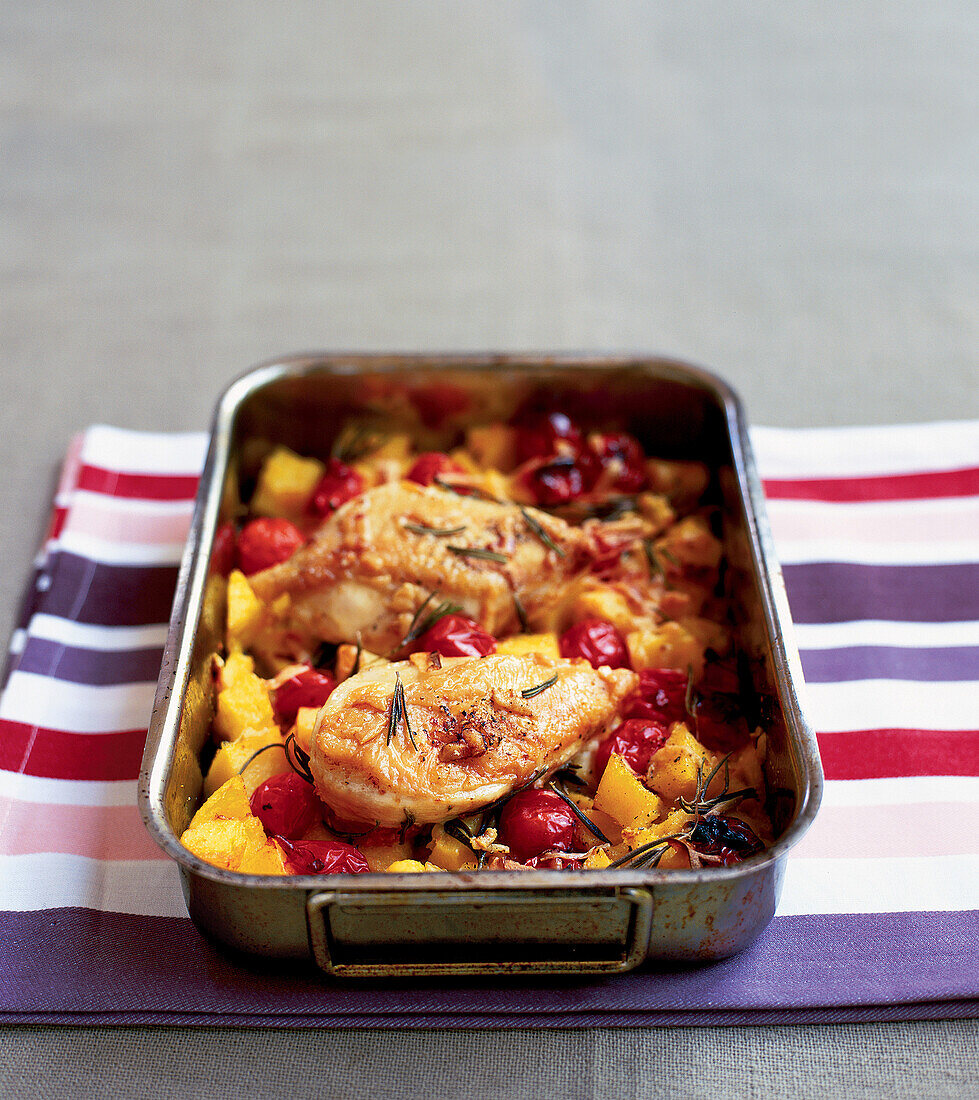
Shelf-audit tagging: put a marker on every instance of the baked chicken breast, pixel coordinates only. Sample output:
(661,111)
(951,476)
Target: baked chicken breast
(427,739)
(374,562)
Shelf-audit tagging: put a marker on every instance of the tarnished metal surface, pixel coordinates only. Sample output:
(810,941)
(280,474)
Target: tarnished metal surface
(485,922)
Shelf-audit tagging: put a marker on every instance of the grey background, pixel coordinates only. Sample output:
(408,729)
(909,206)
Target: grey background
(786,193)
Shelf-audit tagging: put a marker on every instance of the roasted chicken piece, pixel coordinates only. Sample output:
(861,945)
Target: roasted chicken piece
(373,563)
(432,737)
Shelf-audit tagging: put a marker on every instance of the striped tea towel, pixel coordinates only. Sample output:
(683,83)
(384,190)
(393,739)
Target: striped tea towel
(878,532)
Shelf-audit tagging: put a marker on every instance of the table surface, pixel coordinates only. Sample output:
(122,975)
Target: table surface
(786,193)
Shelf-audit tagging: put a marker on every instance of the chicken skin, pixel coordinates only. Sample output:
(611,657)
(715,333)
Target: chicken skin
(430,738)
(372,564)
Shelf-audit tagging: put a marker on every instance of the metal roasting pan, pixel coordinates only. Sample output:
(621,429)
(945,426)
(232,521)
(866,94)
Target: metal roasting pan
(479,923)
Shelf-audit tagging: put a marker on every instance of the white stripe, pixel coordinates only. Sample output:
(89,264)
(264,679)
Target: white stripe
(52,880)
(78,708)
(131,507)
(88,636)
(17,641)
(118,553)
(174,453)
(67,792)
(924,884)
(865,451)
(893,704)
(880,632)
(907,790)
(796,552)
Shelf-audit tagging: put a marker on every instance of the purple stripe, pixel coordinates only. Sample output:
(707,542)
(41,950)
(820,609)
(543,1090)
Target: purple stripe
(108,595)
(91,666)
(83,961)
(836,592)
(828,666)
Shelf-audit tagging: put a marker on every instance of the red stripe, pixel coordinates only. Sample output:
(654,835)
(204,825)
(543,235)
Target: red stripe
(888,754)
(58,754)
(942,483)
(57,524)
(96,479)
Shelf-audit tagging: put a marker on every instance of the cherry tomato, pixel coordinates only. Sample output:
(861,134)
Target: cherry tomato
(561,480)
(308,687)
(627,451)
(265,542)
(661,696)
(322,857)
(718,714)
(728,837)
(430,465)
(597,641)
(455,636)
(286,805)
(545,435)
(338,485)
(537,821)
(635,740)
(223,552)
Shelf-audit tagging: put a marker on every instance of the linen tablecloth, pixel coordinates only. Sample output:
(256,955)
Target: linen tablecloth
(878,533)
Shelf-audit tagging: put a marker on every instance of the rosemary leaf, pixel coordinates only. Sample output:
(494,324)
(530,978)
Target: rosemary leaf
(397,701)
(478,552)
(529,693)
(521,613)
(579,814)
(539,531)
(437,532)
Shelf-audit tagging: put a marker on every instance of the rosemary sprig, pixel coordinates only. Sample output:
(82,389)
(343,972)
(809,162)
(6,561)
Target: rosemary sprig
(635,857)
(437,532)
(521,613)
(579,814)
(419,625)
(264,748)
(478,552)
(539,531)
(399,712)
(355,441)
(529,693)
(465,490)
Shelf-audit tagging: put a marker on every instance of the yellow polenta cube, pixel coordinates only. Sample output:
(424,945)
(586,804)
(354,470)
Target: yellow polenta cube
(244,611)
(691,542)
(493,446)
(521,644)
(285,483)
(622,796)
(597,860)
(674,767)
(603,601)
(232,755)
(669,645)
(449,853)
(267,860)
(224,841)
(243,706)
(230,800)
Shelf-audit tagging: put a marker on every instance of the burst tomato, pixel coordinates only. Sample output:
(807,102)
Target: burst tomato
(626,453)
(430,465)
(728,837)
(339,484)
(286,805)
(455,636)
(661,696)
(537,821)
(265,542)
(307,687)
(561,480)
(223,553)
(544,435)
(597,641)
(635,740)
(322,857)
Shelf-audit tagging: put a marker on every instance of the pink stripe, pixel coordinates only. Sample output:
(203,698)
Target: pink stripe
(925,523)
(99,832)
(909,486)
(881,832)
(103,518)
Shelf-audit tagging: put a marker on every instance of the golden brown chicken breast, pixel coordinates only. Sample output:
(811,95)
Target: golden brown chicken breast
(430,738)
(373,563)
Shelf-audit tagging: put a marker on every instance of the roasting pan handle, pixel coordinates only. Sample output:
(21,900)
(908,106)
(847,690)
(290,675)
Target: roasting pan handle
(436,933)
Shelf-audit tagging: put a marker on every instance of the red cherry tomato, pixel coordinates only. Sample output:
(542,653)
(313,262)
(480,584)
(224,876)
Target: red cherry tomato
(718,718)
(455,636)
(627,452)
(223,551)
(661,697)
(597,641)
(286,805)
(544,435)
(308,687)
(561,480)
(322,857)
(265,542)
(430,465)
(338,485)
(635,741)
(537,821)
